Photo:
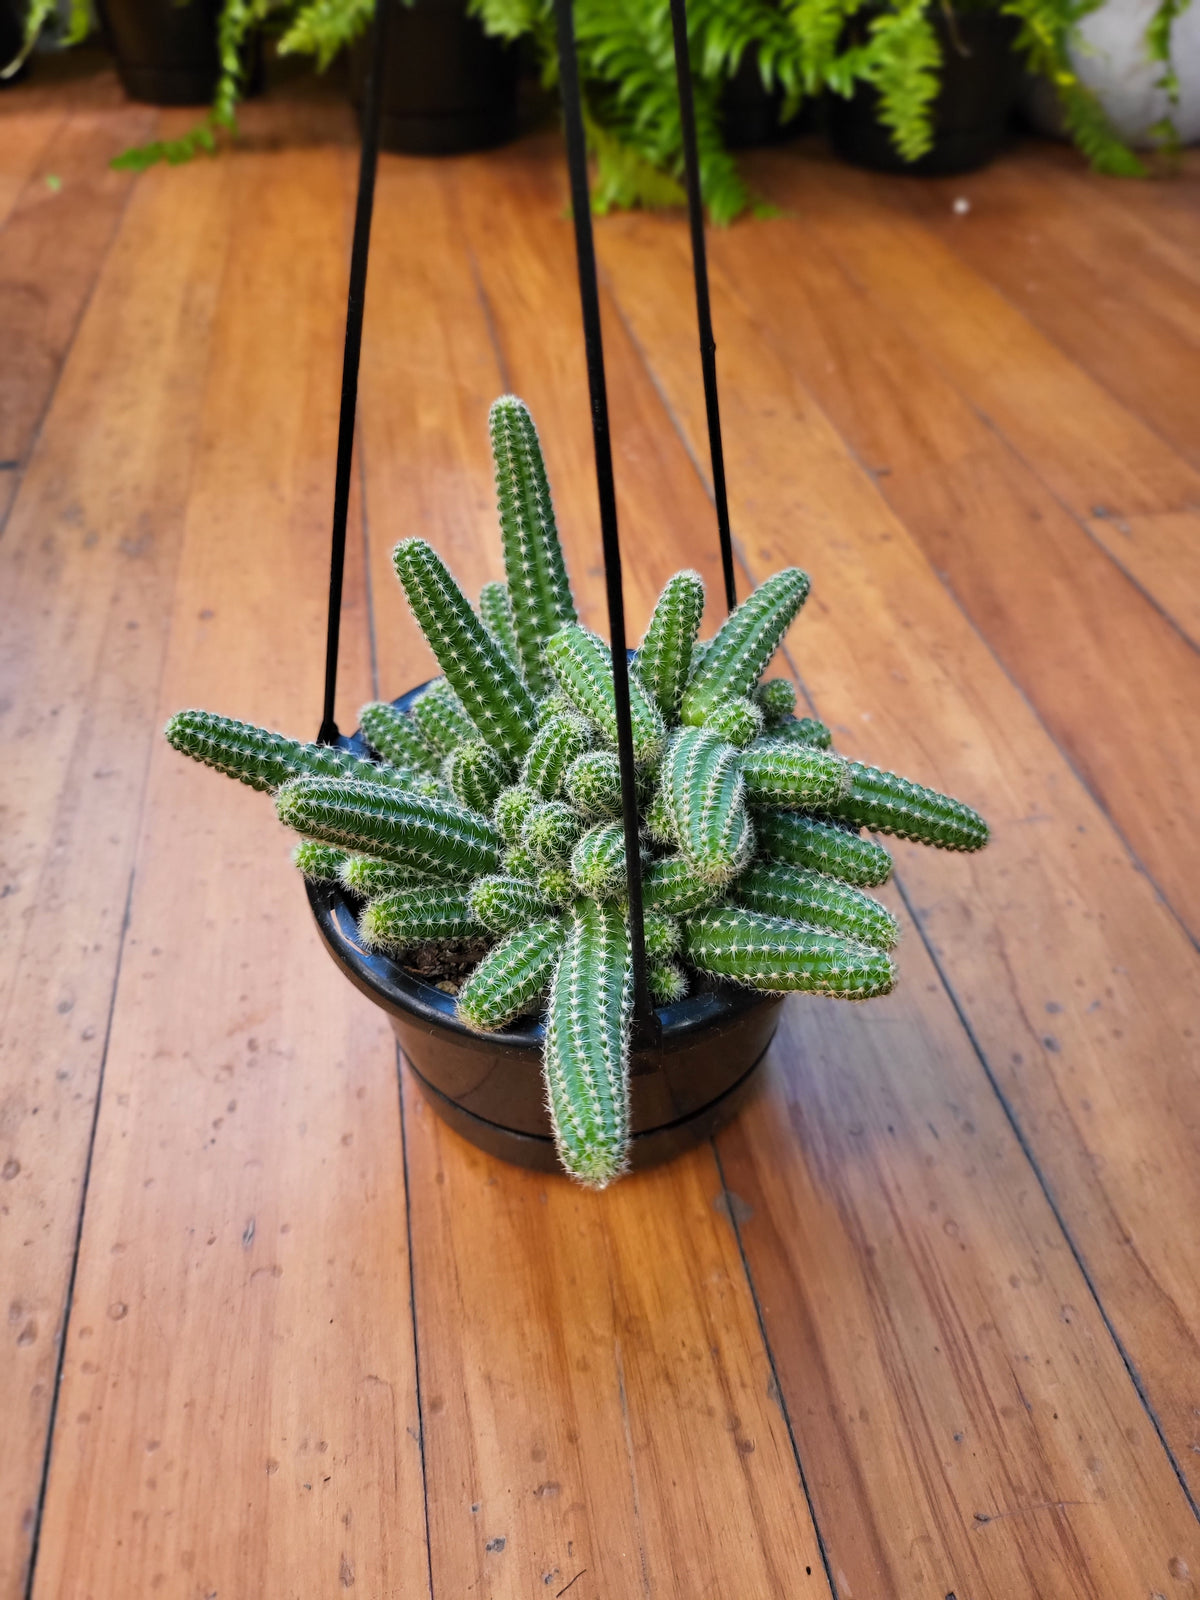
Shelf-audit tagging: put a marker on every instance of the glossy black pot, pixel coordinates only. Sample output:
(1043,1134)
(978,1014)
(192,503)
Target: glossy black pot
(166,53)
(448,87)
(980,76)
(488,1087)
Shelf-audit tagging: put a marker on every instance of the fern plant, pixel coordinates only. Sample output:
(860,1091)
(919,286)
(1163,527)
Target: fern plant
(499,824)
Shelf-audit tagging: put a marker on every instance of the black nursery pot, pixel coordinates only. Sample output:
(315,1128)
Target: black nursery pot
(488,1087)
(980,77)
(166,53)
(448,87)
(752,115)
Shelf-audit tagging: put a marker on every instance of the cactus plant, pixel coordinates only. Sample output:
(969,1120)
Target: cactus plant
(494,812)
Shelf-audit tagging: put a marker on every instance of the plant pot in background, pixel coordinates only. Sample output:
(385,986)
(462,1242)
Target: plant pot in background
(12,37)
(166,53)
(488,1087)
(980,77)
(752,115)
(448,87)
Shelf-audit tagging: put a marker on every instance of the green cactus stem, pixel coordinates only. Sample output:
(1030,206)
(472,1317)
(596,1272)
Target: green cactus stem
(502,904)
(823,846)
(668,982)
(405,917)
(664,936)
(512,806)
(441,718)
(434,836)
(777,698)
(886,803)
(533,560)
(706,802)
(557,743)
(496,614)
(512,978)
(598,862)
(397,738)
(476,774)
(786,773)
(557,886)
(550,831)
(264,760)
(593,784)
(801,895)
(664,657)
(659,820)
(778,956)
(518,862)
(553,705)
(582,666)
(476,668)
(746,641)
(676,886)
(739,722)
(320,863)
(587,1045)
(368,877)
(804,730)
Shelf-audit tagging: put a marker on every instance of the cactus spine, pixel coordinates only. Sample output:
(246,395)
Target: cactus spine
(587,1045)
(557,743)
(705,801)
(320,863)
(886,803)
(777,698)
(598,861)
(550,831)
(476,668)
(496,614)
(664,657)
(593,784)
(823,846)
(744,644)
(397,738)
(582,665)
(405,917)
(265,760)
(476,774)
(781,890)
(785,773)
(537,576)
(513,977)
(441,719)
(739,722)
(434,836)
(778,956)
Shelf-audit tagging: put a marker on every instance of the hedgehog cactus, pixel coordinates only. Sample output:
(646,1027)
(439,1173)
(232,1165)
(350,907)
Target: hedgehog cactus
(490,823)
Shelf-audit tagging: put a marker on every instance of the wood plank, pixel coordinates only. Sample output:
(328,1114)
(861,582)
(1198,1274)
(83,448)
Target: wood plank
(982,517)
(238,1404)
(597,1399)
(891,1520)
(26,136)
(87,568)
(1076,982)
(1161,553)
(51,250)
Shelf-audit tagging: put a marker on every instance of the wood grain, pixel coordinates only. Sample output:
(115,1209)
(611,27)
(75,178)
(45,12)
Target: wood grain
(1076,982)
(87,570)
(238,1404)
(587,1416)
(1161,553)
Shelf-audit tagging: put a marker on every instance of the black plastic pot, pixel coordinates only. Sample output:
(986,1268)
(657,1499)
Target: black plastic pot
(166,53)
(488,1087)
(979,81)
(752,115)
(448,87)
(12,37)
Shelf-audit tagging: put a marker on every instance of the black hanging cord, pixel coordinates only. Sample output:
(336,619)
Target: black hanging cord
(585,251)
(708,345)
(354,321)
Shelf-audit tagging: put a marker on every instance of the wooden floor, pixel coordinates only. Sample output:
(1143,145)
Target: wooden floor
(925,1323)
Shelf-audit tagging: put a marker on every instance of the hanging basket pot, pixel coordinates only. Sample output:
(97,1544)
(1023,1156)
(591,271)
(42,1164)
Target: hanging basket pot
(490,1088)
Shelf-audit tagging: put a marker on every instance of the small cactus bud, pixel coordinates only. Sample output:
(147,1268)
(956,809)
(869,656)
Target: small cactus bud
(435,836)
(587,1045)
(705,796)
(441,718)
(485,680)
(663,934)
(804,730)
(476,774)
(512,807)
(801,895)
(512,978)
(397,738)
(320,863)
(557,743)
(553,705)
(778,956)
(593,784)
(659,821)
(549,832)
(664,657)
(556,885)
(886,803)
(824,846)
(502,904)
(668,982)
(738,722)
(582,665)
(785,773)
(675,885)
(777,697)
(519,862)
(533,559)
(264,760)
(370,878)
(406,917)
(746,641)
(495,612)
(598,862)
